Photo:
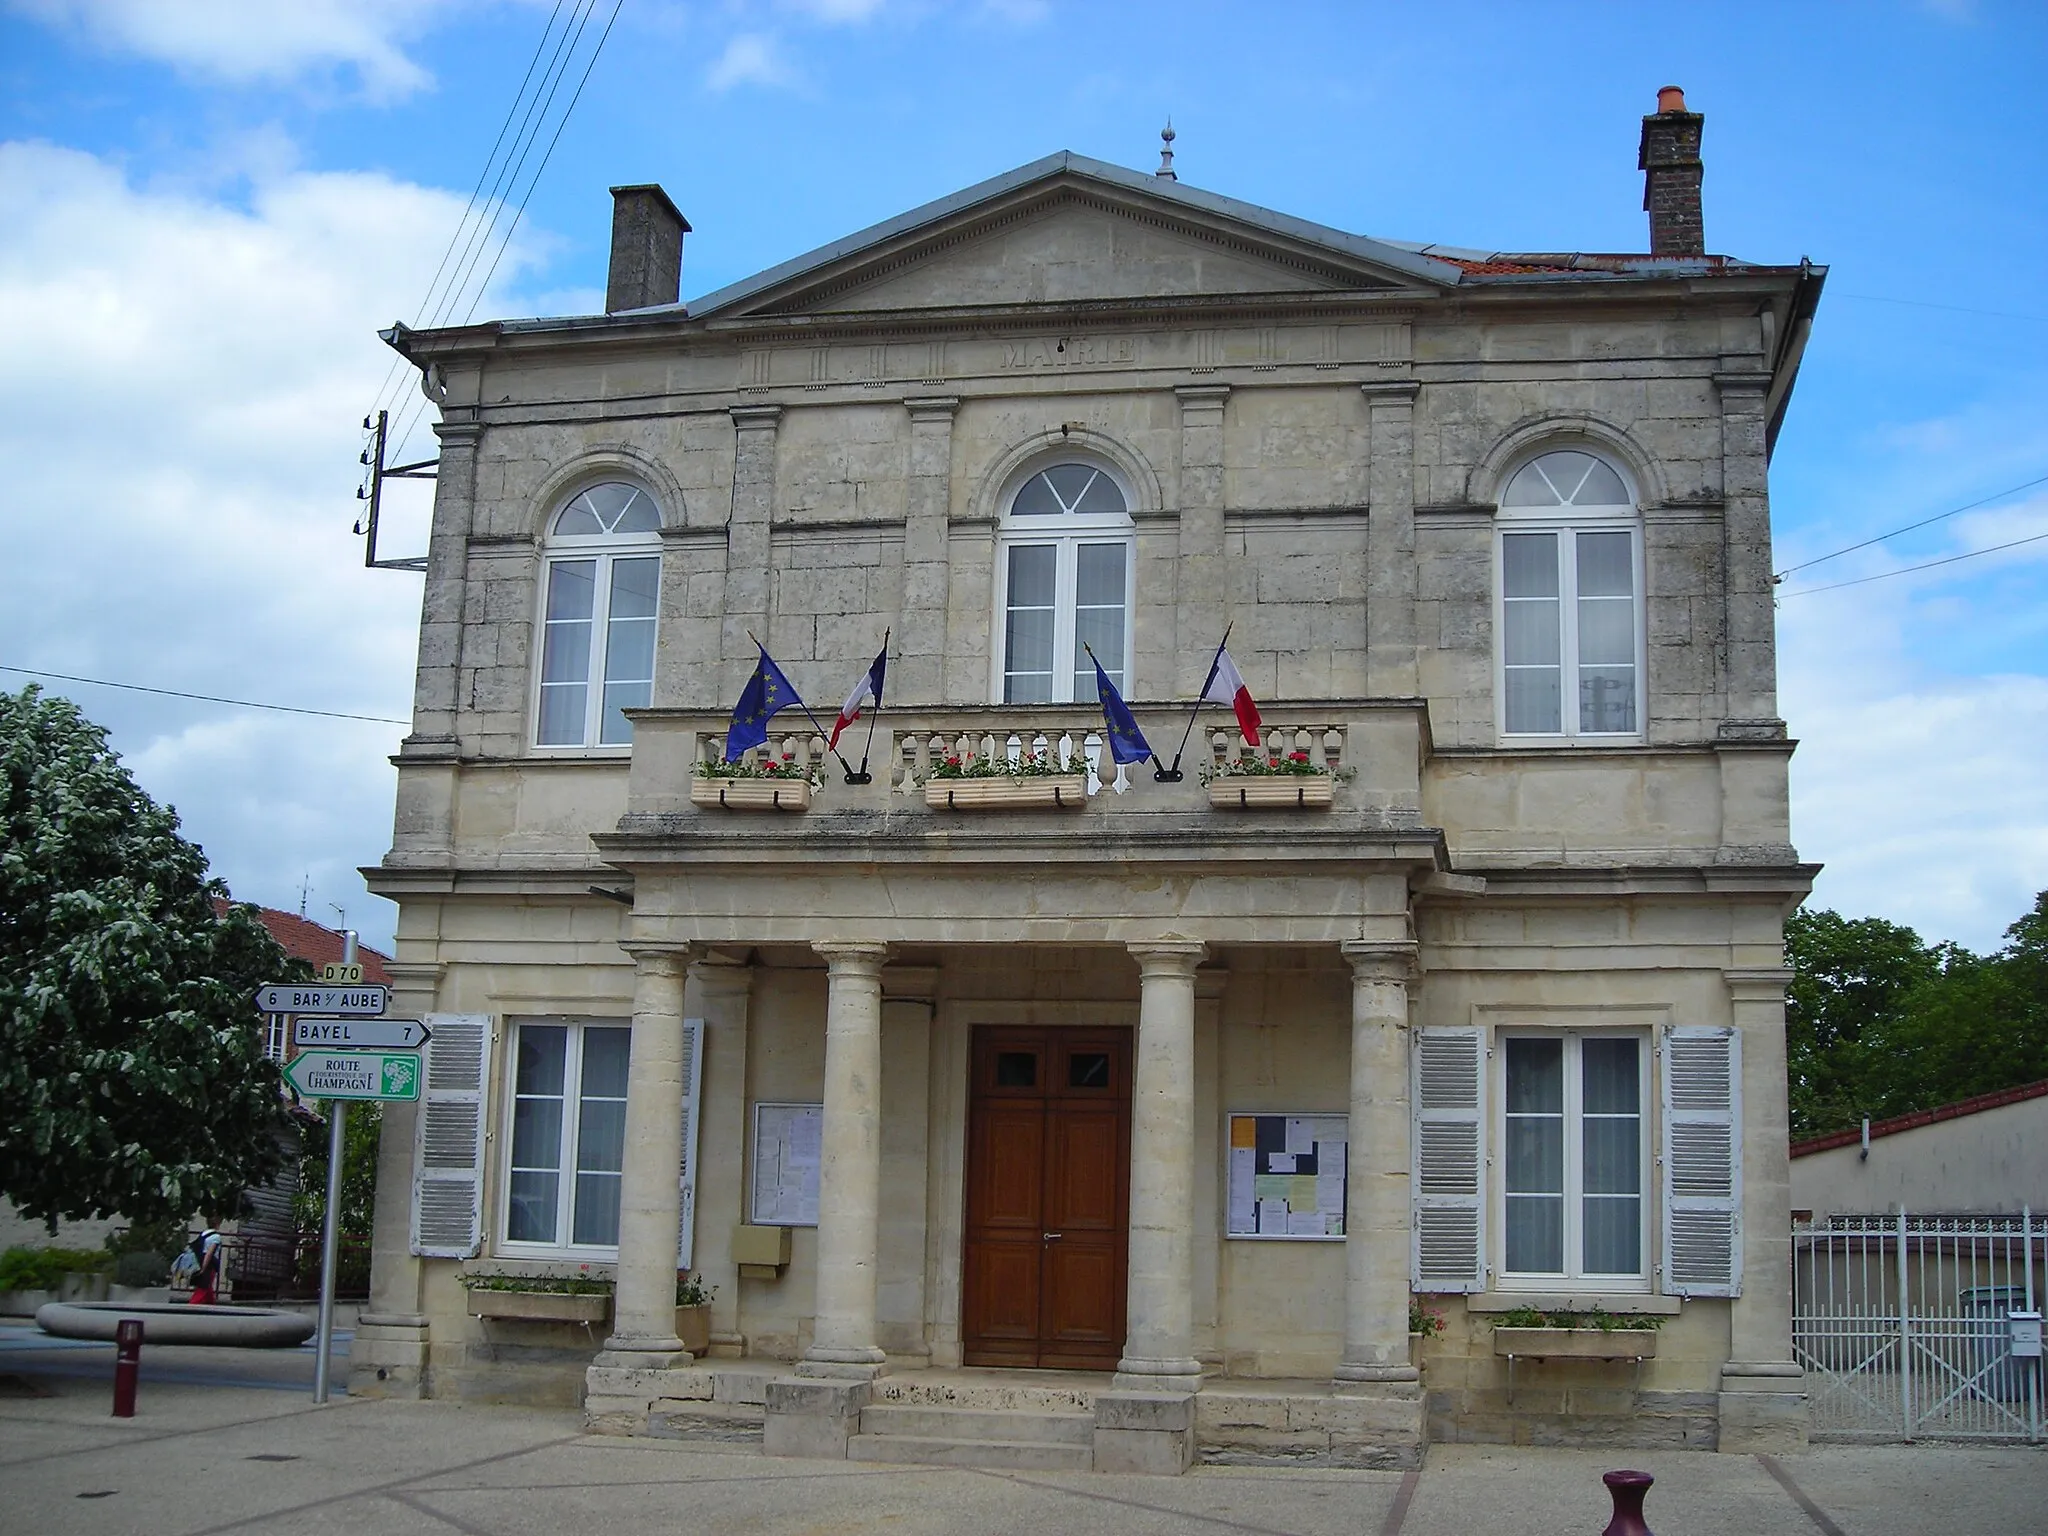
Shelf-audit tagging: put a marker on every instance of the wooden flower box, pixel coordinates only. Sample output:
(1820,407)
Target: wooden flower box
(1067,791)
(1255,791)
(539,1306)
(1576,1343)
(752,794)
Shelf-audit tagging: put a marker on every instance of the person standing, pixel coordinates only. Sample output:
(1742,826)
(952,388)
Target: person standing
(206,1280)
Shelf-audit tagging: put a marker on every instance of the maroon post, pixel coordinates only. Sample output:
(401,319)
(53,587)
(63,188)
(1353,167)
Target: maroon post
(1628,1489)
(127,1365)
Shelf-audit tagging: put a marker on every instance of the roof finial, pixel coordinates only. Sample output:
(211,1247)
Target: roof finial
(1166,152)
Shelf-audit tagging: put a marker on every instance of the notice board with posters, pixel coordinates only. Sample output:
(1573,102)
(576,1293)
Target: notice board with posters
(1285,1178)
(788,1148)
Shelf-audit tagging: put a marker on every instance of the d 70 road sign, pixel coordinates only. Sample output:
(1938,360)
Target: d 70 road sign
(361,1034)
(358,1002)
(355,1074)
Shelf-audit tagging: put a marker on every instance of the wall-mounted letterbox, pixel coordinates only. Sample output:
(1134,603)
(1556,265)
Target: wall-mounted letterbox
(762,1253)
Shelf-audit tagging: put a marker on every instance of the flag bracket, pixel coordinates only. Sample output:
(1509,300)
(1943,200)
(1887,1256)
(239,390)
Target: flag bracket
(1167,775)
(860,775)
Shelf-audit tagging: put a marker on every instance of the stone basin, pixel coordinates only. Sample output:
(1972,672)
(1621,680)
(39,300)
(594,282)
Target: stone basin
(169,1323)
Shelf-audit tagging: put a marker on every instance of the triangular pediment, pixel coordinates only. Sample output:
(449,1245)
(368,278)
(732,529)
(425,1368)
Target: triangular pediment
(1069,231)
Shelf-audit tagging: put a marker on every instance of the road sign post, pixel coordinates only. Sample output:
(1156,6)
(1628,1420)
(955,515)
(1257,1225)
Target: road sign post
(366,1001)
(355,1075)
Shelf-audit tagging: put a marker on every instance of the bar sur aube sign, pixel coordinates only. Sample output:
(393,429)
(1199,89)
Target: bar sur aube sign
(366,1001)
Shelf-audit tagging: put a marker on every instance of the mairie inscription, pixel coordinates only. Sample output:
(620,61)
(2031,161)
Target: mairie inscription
(1069,352)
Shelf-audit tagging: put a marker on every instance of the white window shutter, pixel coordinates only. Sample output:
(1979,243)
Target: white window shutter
(1448,1251)
(693,1100)
(1702,1093)
(448,1148)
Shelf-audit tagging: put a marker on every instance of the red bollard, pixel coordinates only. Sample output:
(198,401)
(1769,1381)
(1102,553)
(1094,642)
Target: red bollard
(127,1365)
(1628,1489)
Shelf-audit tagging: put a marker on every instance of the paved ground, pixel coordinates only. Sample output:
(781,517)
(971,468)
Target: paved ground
(231,1442)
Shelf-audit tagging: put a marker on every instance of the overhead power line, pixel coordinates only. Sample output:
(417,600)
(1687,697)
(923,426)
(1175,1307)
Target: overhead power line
(1968,506)
(209,698)
(1925,565)
(1954,309)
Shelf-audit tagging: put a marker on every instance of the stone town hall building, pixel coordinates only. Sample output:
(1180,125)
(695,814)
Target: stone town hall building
(1167,1102)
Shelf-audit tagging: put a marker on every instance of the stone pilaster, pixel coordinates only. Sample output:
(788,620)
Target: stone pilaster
(719,993)
(643,1333)
(1159,1352)
(850,1170)
(1750,671)
(916,676)
(746,539)
(1202,601)
(1390,636)
(436,688)
(1763,1390)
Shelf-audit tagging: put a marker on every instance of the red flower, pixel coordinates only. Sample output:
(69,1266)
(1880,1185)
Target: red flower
(1297,757)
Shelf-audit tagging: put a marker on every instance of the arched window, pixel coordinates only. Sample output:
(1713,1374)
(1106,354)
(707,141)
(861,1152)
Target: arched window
(1571,615)
(602,580)
(1064,579)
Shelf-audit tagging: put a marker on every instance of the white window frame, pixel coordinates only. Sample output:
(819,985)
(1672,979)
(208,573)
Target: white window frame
(1565,523)
(1574,1276)
(604,550)
(1066,533)
(572,1099)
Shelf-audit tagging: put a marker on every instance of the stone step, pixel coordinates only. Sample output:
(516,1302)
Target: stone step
(996,1424)
(993,1390)
(995,1455)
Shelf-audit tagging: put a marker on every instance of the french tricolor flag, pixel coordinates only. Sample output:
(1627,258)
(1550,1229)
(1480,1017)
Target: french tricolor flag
(868,689)
(1226,686)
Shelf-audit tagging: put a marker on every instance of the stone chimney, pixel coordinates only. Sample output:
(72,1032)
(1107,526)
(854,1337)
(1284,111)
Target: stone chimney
(1670,162)
(647,250)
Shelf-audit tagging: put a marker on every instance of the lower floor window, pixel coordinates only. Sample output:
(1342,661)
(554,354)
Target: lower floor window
(568,1134)
(1573,1156)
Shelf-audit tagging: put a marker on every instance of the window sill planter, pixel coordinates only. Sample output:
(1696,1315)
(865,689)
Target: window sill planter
(539,1306)
(1066,791)
(752,794)
(693,1327)
(1576,1343)
(1254,791)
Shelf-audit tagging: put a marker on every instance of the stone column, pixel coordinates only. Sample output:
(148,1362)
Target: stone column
(388,1357)
(1763,1390)
(719,993)
(746,539)
(917,674)
(1377,1200)
(1390,592)
(1159,1347)
(1202,602)
(850,1172)
(1750,673)
(643,1333)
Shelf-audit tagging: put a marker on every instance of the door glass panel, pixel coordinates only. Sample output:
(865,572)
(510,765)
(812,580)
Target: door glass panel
(1088,1069)
(1016,1069)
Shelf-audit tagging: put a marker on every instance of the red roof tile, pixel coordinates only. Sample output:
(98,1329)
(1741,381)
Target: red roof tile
(1997,1099)
(314,944)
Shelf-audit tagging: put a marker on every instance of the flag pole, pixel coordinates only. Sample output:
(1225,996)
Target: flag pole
(863,776)
(1159,772)
(820,729)
(1199,702)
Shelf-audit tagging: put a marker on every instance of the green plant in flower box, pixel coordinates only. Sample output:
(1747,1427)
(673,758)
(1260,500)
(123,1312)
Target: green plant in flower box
(1027,765)
(785,767)
(1273,764)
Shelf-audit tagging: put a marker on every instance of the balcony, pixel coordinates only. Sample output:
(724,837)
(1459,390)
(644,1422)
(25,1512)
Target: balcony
(1099,852)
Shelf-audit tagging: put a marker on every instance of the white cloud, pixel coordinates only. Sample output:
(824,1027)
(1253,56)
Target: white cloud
(251,40)
(751,58)
(179,406)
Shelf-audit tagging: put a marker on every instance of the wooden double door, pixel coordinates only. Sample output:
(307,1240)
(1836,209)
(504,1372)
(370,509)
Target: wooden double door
(1048,1198)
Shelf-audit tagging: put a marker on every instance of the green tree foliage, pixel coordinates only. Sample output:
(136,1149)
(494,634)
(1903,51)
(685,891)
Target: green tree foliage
(132,1076)
(1881,1024)
(358,1172)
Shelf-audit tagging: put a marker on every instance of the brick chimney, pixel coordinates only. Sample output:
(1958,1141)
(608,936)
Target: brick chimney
(647,250)
(1670,162)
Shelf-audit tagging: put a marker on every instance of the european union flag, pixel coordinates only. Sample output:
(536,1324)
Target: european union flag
(1126,742)
(766,692)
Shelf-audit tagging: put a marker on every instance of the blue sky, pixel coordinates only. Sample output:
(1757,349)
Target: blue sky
(208,207)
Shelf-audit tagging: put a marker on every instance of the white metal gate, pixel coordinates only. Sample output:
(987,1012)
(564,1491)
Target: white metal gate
(1920,1327)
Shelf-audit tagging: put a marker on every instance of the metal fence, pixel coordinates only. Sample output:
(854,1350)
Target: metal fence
(264,1268)
(1920,1327)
